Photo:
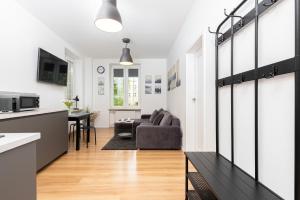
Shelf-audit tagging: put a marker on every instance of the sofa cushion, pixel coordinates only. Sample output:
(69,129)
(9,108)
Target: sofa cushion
(140,121)
(161,110)
(175,122)
(166,120)
(158,118)
(154,114)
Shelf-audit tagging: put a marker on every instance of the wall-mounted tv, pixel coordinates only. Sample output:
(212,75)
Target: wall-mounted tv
(52,69)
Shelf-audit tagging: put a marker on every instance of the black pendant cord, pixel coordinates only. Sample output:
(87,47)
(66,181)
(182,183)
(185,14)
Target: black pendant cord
(297,100)
(256,92)
(232,102)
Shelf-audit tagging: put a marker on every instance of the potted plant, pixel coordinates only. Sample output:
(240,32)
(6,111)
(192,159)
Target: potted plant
(68,103)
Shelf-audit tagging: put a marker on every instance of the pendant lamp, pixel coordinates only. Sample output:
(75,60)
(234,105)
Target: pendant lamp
(126,58)
(108,18)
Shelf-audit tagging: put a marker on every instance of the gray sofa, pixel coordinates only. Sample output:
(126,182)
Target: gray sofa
(159,132)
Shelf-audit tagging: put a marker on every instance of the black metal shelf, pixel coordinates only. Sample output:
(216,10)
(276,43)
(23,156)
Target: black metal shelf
(201,186)
(291,65)
(193,195)
(219,177)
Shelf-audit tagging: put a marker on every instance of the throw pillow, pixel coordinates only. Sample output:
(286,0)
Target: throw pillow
(154,114)
(166,120)
(157,119)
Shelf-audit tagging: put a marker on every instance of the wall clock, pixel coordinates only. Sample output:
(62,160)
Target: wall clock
(100,69)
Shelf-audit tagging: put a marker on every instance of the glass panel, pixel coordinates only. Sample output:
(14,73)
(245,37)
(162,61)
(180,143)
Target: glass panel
(133,73)
(133,91)
(118,72)
(118,92)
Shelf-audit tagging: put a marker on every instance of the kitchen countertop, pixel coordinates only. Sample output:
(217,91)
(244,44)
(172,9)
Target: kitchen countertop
(40,111)
(14,140)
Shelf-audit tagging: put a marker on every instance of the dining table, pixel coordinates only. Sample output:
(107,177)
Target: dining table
(78,117)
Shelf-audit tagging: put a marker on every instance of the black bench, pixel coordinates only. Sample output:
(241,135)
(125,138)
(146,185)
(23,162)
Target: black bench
(217,178)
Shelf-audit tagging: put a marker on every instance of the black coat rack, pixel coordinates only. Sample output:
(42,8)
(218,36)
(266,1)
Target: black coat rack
(291,65)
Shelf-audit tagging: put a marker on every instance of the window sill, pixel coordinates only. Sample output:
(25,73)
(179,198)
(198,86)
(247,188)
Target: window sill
(125,109)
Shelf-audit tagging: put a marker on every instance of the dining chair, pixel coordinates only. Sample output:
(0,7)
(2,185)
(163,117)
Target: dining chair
(85,127)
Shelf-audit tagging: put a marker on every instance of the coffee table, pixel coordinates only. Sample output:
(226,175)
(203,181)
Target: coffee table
(124,128)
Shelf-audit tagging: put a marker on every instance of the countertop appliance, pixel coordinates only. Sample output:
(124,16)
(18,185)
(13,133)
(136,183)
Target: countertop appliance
(18,102)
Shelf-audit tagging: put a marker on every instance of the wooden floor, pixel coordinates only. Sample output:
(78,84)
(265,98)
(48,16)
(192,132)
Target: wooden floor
(92,174)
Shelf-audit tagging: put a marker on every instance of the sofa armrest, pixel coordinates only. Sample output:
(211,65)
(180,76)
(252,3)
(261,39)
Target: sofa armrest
(158,137)
(145,116)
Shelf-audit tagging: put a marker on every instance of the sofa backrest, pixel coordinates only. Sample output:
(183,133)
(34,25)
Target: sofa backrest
(175,121)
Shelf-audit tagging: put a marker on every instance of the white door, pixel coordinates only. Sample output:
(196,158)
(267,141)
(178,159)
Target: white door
(195,100)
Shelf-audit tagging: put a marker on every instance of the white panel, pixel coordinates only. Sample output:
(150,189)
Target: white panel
(224,59)
(276,134)
(225,121)
(244,49)
(277,33)
(244,123)
(246,8)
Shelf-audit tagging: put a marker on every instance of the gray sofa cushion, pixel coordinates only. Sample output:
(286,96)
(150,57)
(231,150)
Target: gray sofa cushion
(140,121)
(158,137)
(154,114)
(175,122)
(166,120)
(158,118)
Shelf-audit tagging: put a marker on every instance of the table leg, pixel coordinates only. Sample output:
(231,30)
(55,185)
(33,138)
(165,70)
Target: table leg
(88,123)
(77,135)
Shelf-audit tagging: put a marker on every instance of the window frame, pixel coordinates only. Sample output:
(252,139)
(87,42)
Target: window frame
(125,68)
(70,88)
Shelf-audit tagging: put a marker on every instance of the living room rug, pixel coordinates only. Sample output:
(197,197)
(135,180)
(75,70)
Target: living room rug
(117,143)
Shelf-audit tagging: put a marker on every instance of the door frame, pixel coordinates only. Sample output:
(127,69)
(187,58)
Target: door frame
(195,97)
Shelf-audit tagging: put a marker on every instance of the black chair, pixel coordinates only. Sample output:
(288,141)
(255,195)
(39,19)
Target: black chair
(72,129)
(85,127)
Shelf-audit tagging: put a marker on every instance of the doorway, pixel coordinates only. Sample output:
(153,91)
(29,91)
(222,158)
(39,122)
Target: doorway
(195,98)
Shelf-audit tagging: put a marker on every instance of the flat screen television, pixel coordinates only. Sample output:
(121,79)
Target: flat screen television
(52,69)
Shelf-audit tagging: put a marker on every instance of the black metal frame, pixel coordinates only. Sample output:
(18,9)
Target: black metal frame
(291,65)
(186,178)
(297,99)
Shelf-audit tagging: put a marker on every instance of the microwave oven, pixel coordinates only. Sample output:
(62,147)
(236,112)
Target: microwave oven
(18,102)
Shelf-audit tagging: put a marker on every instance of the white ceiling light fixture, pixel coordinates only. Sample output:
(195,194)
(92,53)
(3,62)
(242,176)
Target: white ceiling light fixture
(108,18)
(126,58)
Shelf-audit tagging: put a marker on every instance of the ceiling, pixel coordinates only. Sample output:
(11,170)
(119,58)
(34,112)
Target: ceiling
(151,24)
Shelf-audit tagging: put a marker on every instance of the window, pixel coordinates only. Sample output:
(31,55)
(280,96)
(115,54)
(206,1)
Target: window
(118,87)
(125,87)
(69,94)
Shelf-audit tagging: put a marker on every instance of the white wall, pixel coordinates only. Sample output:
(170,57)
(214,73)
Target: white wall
(276,126)
(20,37)
(102,102)
(202,15)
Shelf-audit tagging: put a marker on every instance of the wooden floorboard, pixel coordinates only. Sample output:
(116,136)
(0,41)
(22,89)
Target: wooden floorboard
(91,174)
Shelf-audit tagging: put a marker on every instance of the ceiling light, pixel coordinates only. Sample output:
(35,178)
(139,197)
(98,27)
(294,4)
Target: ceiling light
(126,58)
(108,18)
